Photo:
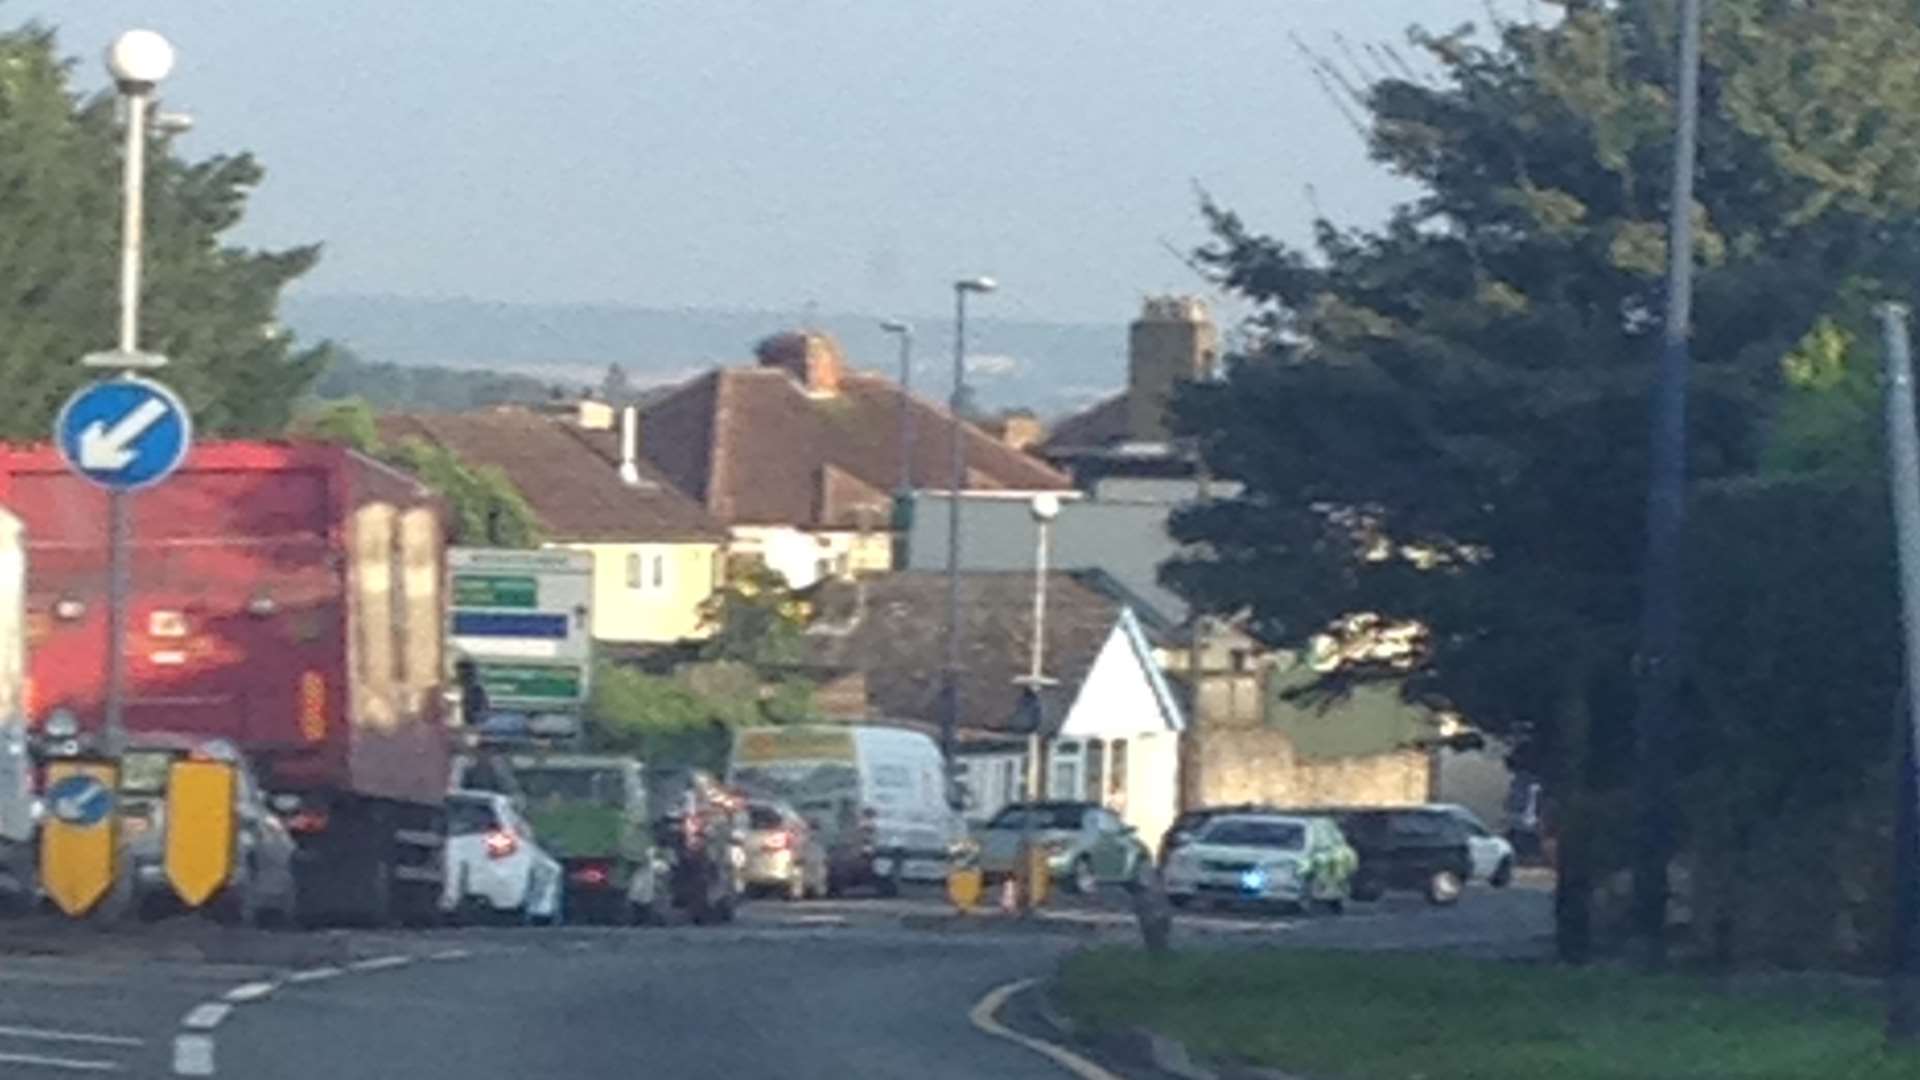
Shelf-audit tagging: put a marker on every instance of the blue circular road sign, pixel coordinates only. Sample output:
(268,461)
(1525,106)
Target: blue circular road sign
(79,800)
(124,433)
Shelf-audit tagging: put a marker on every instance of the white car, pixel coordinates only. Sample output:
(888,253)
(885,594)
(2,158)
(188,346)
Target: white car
(494,868)
(1283,859)
(1491,853)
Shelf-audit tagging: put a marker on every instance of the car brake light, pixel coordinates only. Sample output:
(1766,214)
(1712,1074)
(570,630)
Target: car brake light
(501,843)
(307,821)
(591,874)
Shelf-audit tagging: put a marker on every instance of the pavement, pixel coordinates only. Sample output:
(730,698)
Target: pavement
(853,987)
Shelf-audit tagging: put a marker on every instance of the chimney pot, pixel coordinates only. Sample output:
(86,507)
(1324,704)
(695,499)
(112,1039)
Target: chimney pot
(630,446)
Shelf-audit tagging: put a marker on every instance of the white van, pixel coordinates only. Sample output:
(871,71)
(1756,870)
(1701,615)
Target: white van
(877,795)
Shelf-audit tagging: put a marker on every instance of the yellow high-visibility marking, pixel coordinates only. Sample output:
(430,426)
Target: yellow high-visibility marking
(200,828)
(77,861)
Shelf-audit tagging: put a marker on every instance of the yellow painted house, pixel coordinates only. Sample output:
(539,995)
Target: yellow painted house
(657,555)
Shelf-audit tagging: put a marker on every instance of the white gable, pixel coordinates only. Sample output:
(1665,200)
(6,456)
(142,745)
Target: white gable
(1124,694)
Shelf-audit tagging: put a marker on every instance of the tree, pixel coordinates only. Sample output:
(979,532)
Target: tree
(488,510)
(209,306)
(756,618)
(615,387)
(1443,419)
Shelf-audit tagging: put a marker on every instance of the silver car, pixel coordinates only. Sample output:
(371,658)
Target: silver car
(1086,845)
(261,889)
(784,853)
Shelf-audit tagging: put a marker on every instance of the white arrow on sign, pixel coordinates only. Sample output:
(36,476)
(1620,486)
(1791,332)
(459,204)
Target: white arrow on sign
(110,449)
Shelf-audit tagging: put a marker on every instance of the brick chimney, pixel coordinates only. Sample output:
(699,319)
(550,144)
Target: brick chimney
(813,359)
(1173,341)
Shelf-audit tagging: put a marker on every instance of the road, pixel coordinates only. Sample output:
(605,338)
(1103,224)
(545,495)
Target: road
(833,989)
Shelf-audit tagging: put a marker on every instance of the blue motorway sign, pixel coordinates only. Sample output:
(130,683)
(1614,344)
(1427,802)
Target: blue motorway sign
(124,433)
(80,800)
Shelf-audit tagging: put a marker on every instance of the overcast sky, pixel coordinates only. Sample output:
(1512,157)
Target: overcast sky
(766,154)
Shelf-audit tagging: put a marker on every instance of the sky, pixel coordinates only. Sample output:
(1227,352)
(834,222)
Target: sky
(827,155)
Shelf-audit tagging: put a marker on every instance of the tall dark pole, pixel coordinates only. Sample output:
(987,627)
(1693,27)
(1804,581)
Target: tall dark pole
(1657,665)
(1903,471)
(904,331)
(950,681)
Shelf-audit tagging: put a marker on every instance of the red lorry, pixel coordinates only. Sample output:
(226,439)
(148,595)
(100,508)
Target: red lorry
(287,597)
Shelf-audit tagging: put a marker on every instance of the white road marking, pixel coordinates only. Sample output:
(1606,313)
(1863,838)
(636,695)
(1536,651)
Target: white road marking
(71,1064)
(49,1035)
(451,954)
(193,1055)
(314,975)
(206,1016)
(820,920)
(380,963)
(984,1013)
(246,992)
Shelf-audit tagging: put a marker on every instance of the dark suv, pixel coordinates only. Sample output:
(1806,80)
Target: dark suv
(1410,849)
(700,829)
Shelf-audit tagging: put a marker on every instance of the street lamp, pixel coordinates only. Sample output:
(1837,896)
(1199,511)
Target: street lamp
(904,331)
(1045,507)
(137,60)
(950,713)
(1656,667)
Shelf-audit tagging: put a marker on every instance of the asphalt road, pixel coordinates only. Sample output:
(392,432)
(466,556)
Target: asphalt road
(857,987)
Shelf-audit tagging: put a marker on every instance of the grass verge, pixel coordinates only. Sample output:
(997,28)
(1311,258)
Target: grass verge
(1395,1016)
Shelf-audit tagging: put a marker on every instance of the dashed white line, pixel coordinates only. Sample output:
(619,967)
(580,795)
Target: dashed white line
(50,1035)
(246,992)
(451,954)
(193,1055)
(205,1016)
(381,963)
(315,975)
(71,1064)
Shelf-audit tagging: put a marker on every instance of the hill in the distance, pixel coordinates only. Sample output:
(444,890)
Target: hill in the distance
(1052,368)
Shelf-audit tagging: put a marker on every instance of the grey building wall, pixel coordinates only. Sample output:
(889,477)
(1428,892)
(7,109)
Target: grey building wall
(1127,539)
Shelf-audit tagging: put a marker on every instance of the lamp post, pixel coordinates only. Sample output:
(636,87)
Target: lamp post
(137,60)
(1656,665)
(904,331)
(1044,508)
(950,690)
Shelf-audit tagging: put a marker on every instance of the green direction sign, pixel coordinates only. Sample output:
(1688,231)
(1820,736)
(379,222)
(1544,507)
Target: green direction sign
(542,683)
(496,591)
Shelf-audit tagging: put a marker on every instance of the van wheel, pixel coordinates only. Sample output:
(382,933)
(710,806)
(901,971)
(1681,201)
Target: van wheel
(1443,888)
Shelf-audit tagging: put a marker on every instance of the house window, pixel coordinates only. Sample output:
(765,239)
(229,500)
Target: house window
(646,571)
(1064,783)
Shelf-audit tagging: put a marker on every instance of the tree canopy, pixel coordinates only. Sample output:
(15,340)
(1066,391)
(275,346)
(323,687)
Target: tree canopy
(208,305)
(1443,419)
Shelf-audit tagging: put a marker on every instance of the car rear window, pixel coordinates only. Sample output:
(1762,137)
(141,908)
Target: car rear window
(1282,835)
(764,817)
(468,817)
(1042,817)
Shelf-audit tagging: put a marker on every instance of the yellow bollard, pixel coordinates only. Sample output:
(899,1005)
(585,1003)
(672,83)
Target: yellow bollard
(200,829)
(78,843)
(964,886)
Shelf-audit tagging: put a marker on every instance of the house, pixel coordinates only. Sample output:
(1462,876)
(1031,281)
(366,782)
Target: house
(800,457)
(1112,727)
(657,555)
(1249,739)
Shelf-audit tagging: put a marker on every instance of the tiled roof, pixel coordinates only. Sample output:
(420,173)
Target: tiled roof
(1095,426)
(896,635)
(758,449)
(567,474)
